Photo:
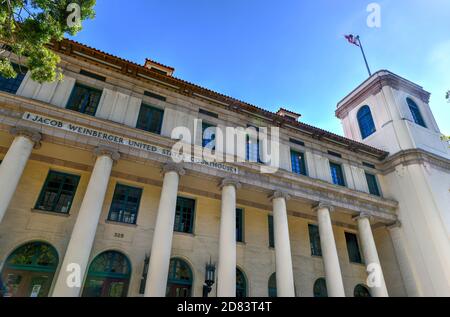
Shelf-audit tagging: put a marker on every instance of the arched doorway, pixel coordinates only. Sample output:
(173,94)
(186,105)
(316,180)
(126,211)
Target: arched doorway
(108,276)
(361,291)
(29,270)
(273,285)
(179,281)
(320,288)
(241,284)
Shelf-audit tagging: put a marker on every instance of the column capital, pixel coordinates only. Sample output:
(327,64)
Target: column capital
(395,225)
(279,194)
(363,215)
(173,167)
(323,205)
(107,151)
(32,134)
(230,182)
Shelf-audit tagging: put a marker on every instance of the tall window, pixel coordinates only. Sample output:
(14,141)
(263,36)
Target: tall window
(273,285)
(361,291)
(373,184)
(84,99)
(179,281)
(125,204)
(336,174)
(108,276)
(365,121)
(314,240)
(298,163)
(58,192)
(29,270)
(320,288)
(208,136)
(271,235)
(150,119)
(239,225)
(253,146)
(11,85)
(184,216)
(415,111)
(354,254)
(241,284)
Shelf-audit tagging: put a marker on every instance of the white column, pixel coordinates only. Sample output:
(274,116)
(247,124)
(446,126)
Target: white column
(333,276)
(79,249)
(14,163)
(226,272)
(407,270)
(371,257)
(283,258)
(162,237)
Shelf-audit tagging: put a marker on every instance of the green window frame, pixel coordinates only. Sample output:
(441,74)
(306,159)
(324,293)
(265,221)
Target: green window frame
(150,119)
(320,288)
(84,99)
(179,281)
(239,225)
(125,204)
(273,285)
(184,215)
(271,232)
(298,162)
(314,240)
(11,85)
(58,192)
(373,184)
(337,174)
(241,284)
(354,253)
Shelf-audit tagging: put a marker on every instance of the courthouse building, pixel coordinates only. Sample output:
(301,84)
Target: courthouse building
(91,203)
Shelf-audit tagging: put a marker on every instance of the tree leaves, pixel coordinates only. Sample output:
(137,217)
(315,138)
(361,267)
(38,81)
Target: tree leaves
(27,27)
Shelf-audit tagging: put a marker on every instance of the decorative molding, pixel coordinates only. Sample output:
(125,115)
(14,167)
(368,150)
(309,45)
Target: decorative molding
(323,205)
(364,215)
(107,151)
(32,134)
(173,167)
(395,225)
(230,182)
(400,160)
(279,194)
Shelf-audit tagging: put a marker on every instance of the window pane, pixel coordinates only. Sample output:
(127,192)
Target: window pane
(58,192)
(184,215)
(298,163)
(365,121)
(415,112)
(125,204)
(271,235)
(84,99)
(353,248)
(150,119)
(373,185)
(314,240)
(208,135)
(11,85)
(336,174)
(239,225)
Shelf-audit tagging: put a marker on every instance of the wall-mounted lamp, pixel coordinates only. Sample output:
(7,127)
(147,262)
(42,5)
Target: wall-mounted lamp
(210,277)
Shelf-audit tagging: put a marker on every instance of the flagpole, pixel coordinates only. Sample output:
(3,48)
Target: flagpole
(364,55)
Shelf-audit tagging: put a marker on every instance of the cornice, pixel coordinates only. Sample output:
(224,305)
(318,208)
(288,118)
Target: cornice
(414,157)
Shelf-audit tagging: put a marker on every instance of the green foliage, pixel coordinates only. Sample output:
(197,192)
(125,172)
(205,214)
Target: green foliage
(28,26)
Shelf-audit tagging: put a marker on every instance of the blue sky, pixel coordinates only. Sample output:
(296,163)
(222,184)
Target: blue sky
(288,53)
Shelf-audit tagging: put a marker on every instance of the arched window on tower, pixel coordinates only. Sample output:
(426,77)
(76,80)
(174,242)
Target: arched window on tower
(365,121)
(415,112)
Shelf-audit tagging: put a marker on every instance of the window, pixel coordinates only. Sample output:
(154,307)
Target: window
(314,240)
(125,204)
(58,192)
(208,113)
(415,111)
(29,265)
(208,135)
(241,284)
(365,121)
(153,95)
(336,174)
(361,291)
(92,75)
(320,288)
(353,248)
(179,281)
(297,142)
(271,235)
(184,216)
(373,184)
(239,225)
(11,85)
(253,146)
(150,119)
(298,163)
(84,99)
(334,154)
(108,276)
(273,285)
